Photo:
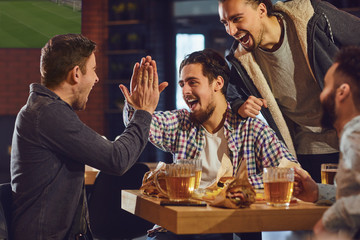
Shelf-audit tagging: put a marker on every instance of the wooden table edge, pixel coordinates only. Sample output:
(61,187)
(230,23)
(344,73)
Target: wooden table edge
(203,220)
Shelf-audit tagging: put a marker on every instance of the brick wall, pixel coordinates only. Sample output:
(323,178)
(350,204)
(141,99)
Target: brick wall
(94,18)
(20,67)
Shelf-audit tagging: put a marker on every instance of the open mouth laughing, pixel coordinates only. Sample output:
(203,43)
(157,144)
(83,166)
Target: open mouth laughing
(244,40)
(192,103)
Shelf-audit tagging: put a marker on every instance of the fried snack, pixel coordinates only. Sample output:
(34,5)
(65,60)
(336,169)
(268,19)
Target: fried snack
(242,195)
(239,193)
(224,181)
(235,195)
(210,194)
(224,174)
(149,187)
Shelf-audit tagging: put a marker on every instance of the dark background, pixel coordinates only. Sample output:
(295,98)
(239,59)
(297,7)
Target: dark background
(125,31)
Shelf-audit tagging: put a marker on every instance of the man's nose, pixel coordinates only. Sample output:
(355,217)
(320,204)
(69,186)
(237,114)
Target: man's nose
(231,29)
(186,89)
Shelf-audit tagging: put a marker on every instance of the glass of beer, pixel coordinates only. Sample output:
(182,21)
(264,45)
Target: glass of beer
(278,186)
(198,172)
(328,172)
(180,180)
(198,168)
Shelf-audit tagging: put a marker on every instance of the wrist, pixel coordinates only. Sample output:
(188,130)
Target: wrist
(128,107)
(147,109)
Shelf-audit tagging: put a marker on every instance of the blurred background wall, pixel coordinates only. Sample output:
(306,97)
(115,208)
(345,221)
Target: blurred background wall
(125,31)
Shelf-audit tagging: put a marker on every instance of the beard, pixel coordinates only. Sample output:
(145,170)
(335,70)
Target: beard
(328,117)
(256,41)
(79,106)
(252,47)
(80,103)
(203,116)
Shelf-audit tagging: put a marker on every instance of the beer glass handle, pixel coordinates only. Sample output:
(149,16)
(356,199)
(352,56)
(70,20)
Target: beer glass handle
(158,186)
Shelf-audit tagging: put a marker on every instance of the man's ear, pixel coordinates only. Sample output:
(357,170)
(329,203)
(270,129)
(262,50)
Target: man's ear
(74,75)
(343,92)
(219,83)
(262,10)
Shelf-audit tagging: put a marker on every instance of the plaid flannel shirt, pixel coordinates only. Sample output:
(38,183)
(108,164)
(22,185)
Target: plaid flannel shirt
(250,140)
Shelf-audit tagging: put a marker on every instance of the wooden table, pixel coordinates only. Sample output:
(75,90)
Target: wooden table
(200,220)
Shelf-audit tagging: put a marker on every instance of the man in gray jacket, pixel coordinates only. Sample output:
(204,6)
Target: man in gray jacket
(279,58)
(51,145)
(341,102)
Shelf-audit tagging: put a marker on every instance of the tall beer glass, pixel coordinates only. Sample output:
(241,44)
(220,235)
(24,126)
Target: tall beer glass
(328,172)
(278,186)
(180,181)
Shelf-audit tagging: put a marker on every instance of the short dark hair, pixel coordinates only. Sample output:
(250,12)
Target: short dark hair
(348,59)
(61,54)
(268,4)
(213,65)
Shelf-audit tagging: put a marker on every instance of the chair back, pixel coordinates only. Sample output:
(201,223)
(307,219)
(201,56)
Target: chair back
(5,210)
(107,219)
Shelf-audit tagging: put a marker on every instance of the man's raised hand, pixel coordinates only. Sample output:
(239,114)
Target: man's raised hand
(144,86)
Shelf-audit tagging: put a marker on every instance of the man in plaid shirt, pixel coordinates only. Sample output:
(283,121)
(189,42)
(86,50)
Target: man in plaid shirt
(210,129)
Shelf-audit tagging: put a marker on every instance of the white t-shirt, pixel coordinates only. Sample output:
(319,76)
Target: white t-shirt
(216,145)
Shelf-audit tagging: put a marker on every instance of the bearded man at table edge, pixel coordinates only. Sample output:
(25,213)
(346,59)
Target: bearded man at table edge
(341,103)
(51,146)
(210,129)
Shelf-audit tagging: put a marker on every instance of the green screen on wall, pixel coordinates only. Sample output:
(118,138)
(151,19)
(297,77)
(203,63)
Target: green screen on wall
(31,23)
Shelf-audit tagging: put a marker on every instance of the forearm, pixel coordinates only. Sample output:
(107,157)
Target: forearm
(118,156)
(344,214)
(164,129)
(327,193)
(234,98)
(76,141)
(130,144)
(273,151)
(236,104)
